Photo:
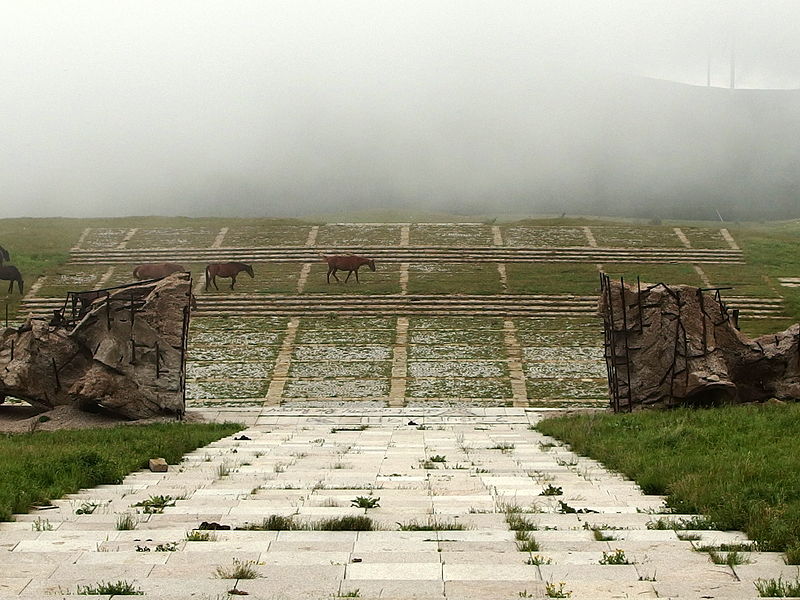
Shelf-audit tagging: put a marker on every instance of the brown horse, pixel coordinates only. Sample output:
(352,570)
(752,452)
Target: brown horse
(11,274)
(346,262)
(4,256)
(231,269)
(156,270)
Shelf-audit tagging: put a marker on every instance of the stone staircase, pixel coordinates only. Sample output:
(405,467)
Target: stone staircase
(510,305)
(400,254)
(311,465)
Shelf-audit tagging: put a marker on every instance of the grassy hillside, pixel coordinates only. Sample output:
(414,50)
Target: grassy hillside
(739,465)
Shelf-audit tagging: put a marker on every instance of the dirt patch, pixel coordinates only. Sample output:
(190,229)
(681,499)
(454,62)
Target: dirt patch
(25,419)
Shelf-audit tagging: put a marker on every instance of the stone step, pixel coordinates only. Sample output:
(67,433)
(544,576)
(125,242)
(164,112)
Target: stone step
(294,464)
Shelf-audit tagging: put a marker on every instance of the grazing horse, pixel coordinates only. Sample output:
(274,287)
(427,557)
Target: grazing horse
(346,262)
(4,256)
(11,274)
(231,269)
(156,270)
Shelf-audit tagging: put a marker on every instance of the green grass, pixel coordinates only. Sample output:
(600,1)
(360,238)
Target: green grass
(654,273)
(553,278)
(200,536)
(739,465)
(366,502)
(42,466)
(454,278)
(120,588)
(282,523)
(777,588)
(615,558)
(238,570)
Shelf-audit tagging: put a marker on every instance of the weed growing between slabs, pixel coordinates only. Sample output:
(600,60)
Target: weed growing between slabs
(738,465)
(42,466)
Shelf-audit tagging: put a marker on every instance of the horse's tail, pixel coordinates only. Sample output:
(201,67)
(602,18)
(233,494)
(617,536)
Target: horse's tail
(136,272)
(208,275)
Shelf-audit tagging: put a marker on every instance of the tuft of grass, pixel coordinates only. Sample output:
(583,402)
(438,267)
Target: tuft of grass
(200,536)
(749,482)
(526,542)
(777,588)
(438,458)
(517,522)
(504,447)
(538,559)
(554,590)
(156,504)
(602,536)
(240,569)
(431,525)
(551,490)
(127,522)
(728,558)
(685,536)
(41,524)
(41,466)
(119,588)
(615,558)
(792,554)
(271,523)
(366,502)
(347,523)
(692,523)
(349,594)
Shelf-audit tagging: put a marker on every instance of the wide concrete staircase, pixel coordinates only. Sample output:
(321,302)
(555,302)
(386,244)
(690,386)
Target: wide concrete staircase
(312,464)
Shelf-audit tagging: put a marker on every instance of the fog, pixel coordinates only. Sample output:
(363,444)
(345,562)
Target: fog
(271,108)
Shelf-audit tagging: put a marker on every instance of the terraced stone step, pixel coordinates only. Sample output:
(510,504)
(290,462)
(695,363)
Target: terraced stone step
(412,254)
(317,304)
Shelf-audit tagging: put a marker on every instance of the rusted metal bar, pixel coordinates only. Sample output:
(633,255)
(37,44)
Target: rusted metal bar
(703,316)
(625,340)
(6,315)
(639,303)
(108,310)
(158,362)
(184,348)
(12,348)
(678,327)
(55,372)
(614,383)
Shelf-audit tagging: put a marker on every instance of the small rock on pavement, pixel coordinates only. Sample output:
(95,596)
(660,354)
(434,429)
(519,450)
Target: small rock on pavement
(158,465)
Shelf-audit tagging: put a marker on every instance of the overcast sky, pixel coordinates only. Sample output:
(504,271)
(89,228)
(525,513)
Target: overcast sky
(282,107)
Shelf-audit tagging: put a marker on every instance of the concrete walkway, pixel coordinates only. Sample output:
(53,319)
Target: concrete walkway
(312,463)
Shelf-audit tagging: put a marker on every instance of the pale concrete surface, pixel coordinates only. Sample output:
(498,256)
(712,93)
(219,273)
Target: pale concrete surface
(313,463)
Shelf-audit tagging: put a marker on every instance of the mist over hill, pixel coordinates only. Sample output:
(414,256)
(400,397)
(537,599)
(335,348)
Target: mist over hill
(461,106)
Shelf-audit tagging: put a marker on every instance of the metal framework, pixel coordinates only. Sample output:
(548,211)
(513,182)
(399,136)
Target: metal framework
(78,304)
(617,352)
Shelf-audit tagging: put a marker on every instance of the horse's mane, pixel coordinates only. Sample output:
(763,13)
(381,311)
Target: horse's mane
(4,254)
